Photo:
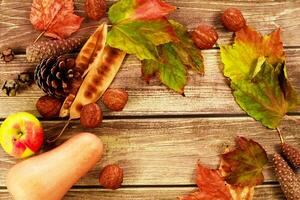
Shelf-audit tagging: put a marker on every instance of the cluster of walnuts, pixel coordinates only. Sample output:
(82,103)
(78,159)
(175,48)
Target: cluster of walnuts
(91,114)
(205,36)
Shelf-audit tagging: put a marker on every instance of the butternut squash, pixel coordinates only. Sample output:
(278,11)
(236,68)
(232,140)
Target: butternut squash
(50,175)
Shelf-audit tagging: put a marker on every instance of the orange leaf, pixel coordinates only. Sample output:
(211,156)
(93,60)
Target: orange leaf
(211,186)
(55,17)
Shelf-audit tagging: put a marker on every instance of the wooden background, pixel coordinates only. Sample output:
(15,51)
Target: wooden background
(160,135)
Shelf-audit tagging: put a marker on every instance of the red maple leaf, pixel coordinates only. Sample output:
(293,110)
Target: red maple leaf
(211,186)
(55,17)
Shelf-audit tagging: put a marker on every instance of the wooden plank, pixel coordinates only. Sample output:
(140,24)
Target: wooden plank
(17,32)
(263,192)
(208,94)
(165,151)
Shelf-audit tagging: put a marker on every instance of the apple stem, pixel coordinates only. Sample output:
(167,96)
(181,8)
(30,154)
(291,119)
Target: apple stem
(61,132)
(280,135)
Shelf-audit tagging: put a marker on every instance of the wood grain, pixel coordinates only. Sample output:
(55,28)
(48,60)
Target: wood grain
(165,151)
(263,192)
(17,32)
(208,94)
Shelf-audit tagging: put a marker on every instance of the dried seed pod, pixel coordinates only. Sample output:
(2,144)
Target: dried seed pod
(90,55)
(97,80)
(92,50)
(7,55)
(10,88)
(52,48)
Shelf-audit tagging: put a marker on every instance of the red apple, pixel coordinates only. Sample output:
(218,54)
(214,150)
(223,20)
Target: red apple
(21,135)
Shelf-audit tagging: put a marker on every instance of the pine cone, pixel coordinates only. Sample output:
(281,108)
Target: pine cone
(291,154)
(56,76)
(46,49)
(287,178)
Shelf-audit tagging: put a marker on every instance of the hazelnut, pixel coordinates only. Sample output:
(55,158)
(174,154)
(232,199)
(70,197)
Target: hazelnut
(233,19)
(48,106)
(7,55)
(91,115)
(115,99)
(204,36)
(95,9)
(111,177)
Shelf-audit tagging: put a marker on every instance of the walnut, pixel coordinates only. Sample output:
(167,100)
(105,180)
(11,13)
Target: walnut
(111,177)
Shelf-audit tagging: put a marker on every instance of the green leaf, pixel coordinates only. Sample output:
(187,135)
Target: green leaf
(189,54)
(256,67)
(262,96)
(141,37)
(170,70)
(243,165)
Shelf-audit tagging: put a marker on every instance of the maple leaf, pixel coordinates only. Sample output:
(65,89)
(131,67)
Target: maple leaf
(141,37)
(138,10)
(211,186)
(243,165)
(55,17)
(171,71)
(174,58)
(139,26)
(256,67)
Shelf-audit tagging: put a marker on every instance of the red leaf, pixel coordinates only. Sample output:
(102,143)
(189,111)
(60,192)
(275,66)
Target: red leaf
(55,17)
(211,186)
(152,9)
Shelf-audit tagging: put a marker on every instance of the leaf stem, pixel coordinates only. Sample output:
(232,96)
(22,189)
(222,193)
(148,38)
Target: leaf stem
(280,135)
(61,132)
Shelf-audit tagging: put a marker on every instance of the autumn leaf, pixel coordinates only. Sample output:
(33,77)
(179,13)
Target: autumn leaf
(138,10)
(243,165)
(55,17)
(256,67)
(188,53)
(174,61)
(211,186)
(139,26)
(141,37)
(170,70)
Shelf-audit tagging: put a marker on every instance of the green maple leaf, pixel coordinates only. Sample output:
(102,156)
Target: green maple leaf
(141,37)
(175,57)
(170,70)
(257,70)
(140,26)
(243,165)
(189,54)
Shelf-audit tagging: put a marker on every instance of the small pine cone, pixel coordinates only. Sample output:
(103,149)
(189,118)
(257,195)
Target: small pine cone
(287,178)
(291,154)
(57,76)
(46,49)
